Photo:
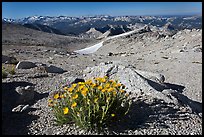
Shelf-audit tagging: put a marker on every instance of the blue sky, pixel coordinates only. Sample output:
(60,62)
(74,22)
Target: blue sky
(23,9)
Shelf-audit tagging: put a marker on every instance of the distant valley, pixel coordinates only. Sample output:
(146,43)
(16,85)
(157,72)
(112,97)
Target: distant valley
(81,26)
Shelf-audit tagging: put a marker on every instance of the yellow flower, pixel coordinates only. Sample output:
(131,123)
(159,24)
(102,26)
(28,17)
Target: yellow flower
(61,96)
(103,90)
(119,84)
(122,90)
(114,92)
(56,96)
(84,91)
(74,85)
(88,81)
(110,89)
(105,77)
(66,110)
(81,87)
(93,85)
(70,89)
(75,97)
(107,85)
(114,84)
(81,83)
(65,88)
(111,80)
(103,80)
(74,105)
(113,115)
(50,100)
(97,78)
(100,87)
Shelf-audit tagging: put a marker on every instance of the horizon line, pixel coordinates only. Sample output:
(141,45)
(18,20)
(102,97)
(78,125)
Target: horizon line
(90,15)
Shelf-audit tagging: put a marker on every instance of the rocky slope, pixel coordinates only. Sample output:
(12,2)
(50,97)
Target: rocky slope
(162,71)
(18,35)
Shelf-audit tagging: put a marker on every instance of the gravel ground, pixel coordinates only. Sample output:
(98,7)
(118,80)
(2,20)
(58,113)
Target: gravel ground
(147,116)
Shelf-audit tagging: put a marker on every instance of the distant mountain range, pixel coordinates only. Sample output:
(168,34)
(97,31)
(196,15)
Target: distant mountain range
(78,26)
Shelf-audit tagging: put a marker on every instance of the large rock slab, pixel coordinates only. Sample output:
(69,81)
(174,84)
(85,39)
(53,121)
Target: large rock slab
(25,65)
(136,81)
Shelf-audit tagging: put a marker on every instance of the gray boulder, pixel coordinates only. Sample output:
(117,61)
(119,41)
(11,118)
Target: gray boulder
(26,94)
(53,69)
(25,65)
(9,60)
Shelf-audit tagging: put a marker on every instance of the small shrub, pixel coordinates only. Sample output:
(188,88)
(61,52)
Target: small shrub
(4,73)
(92,105)
(8,69)
(12,71)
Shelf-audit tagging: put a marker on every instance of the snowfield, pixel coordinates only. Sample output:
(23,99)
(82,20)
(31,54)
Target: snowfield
(91,49)
(95,47)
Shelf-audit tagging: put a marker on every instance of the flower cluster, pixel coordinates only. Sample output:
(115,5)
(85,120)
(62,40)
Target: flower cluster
(91,104)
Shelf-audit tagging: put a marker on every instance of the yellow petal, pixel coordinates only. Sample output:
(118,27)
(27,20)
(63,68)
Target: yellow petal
(83,92)
(103,90)
(56,96)
(100,87)
(74,85)
(70,89)
(62,96)
(81,83)
(66,110)
(103,80)
(122,90)
(65,88)
(75,97)
(74,105)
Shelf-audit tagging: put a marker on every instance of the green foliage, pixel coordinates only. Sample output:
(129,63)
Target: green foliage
(9,70)
(12,71)
(92,105)
(4,73)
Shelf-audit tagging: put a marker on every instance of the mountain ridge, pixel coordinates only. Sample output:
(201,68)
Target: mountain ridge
(78,25)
